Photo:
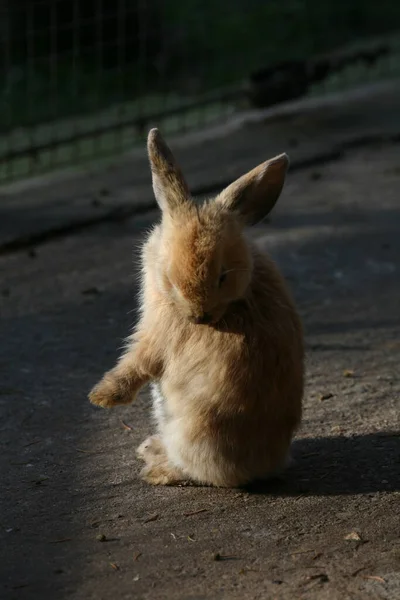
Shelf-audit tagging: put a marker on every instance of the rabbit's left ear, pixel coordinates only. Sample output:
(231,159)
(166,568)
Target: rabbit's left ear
(169,185)
(254,195)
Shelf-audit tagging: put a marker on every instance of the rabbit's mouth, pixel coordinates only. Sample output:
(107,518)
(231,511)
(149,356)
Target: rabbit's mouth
(207,318)
(204,319)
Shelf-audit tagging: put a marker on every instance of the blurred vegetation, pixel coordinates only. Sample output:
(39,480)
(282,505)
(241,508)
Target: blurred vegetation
(62,58)
(75,75)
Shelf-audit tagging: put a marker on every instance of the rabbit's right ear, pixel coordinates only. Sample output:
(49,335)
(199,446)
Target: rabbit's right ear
(169,185)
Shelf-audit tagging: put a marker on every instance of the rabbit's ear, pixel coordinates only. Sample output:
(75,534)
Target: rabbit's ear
(169,185)
(254,195)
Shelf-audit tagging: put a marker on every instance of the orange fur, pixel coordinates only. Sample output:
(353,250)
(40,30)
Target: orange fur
(228,393)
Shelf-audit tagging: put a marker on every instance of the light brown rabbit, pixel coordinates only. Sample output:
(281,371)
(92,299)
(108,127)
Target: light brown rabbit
(218,335)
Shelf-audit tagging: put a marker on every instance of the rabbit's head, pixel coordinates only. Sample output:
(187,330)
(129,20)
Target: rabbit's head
(204,262)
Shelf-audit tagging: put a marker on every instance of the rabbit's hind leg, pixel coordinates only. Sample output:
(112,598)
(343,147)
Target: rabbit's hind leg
(160,471)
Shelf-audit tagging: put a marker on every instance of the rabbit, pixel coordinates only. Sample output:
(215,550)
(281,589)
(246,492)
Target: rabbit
(219,337)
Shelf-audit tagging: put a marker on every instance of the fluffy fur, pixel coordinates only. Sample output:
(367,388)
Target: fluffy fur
(218,335)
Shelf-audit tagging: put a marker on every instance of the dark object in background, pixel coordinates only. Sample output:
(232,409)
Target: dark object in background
(278,83)
(291,79)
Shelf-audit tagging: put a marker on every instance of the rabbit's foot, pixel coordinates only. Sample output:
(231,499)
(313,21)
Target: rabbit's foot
(162,473)
(151,448)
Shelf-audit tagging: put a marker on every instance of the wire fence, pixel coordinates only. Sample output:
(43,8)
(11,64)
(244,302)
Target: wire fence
(82,79)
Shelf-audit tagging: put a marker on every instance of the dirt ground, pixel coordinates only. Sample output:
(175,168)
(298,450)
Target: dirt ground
(76,521)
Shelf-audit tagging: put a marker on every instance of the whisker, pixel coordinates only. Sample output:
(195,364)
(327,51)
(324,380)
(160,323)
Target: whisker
(196,206)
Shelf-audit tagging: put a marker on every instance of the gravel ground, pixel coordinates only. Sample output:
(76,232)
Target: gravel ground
(76,521)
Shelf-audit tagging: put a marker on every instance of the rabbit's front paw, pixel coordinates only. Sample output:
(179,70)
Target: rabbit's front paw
(112,391)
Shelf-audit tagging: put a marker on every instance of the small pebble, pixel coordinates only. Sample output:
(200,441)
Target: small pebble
(216,556)
(91,291)
(348,373)
(325,396)
(353,537)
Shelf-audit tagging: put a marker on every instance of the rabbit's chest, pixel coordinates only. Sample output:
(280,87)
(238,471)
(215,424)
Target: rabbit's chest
(202,370)
(202,358)
(195,373)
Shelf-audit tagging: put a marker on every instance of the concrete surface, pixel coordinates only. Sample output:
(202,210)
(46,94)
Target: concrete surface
(69,473)
(310,130)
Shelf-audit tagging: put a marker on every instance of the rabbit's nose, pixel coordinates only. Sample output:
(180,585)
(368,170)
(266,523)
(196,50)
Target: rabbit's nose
(203,319)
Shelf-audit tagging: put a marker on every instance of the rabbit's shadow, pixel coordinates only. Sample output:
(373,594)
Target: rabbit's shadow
(338,465)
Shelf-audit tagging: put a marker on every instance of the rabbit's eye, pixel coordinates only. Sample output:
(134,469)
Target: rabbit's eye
(222,278)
